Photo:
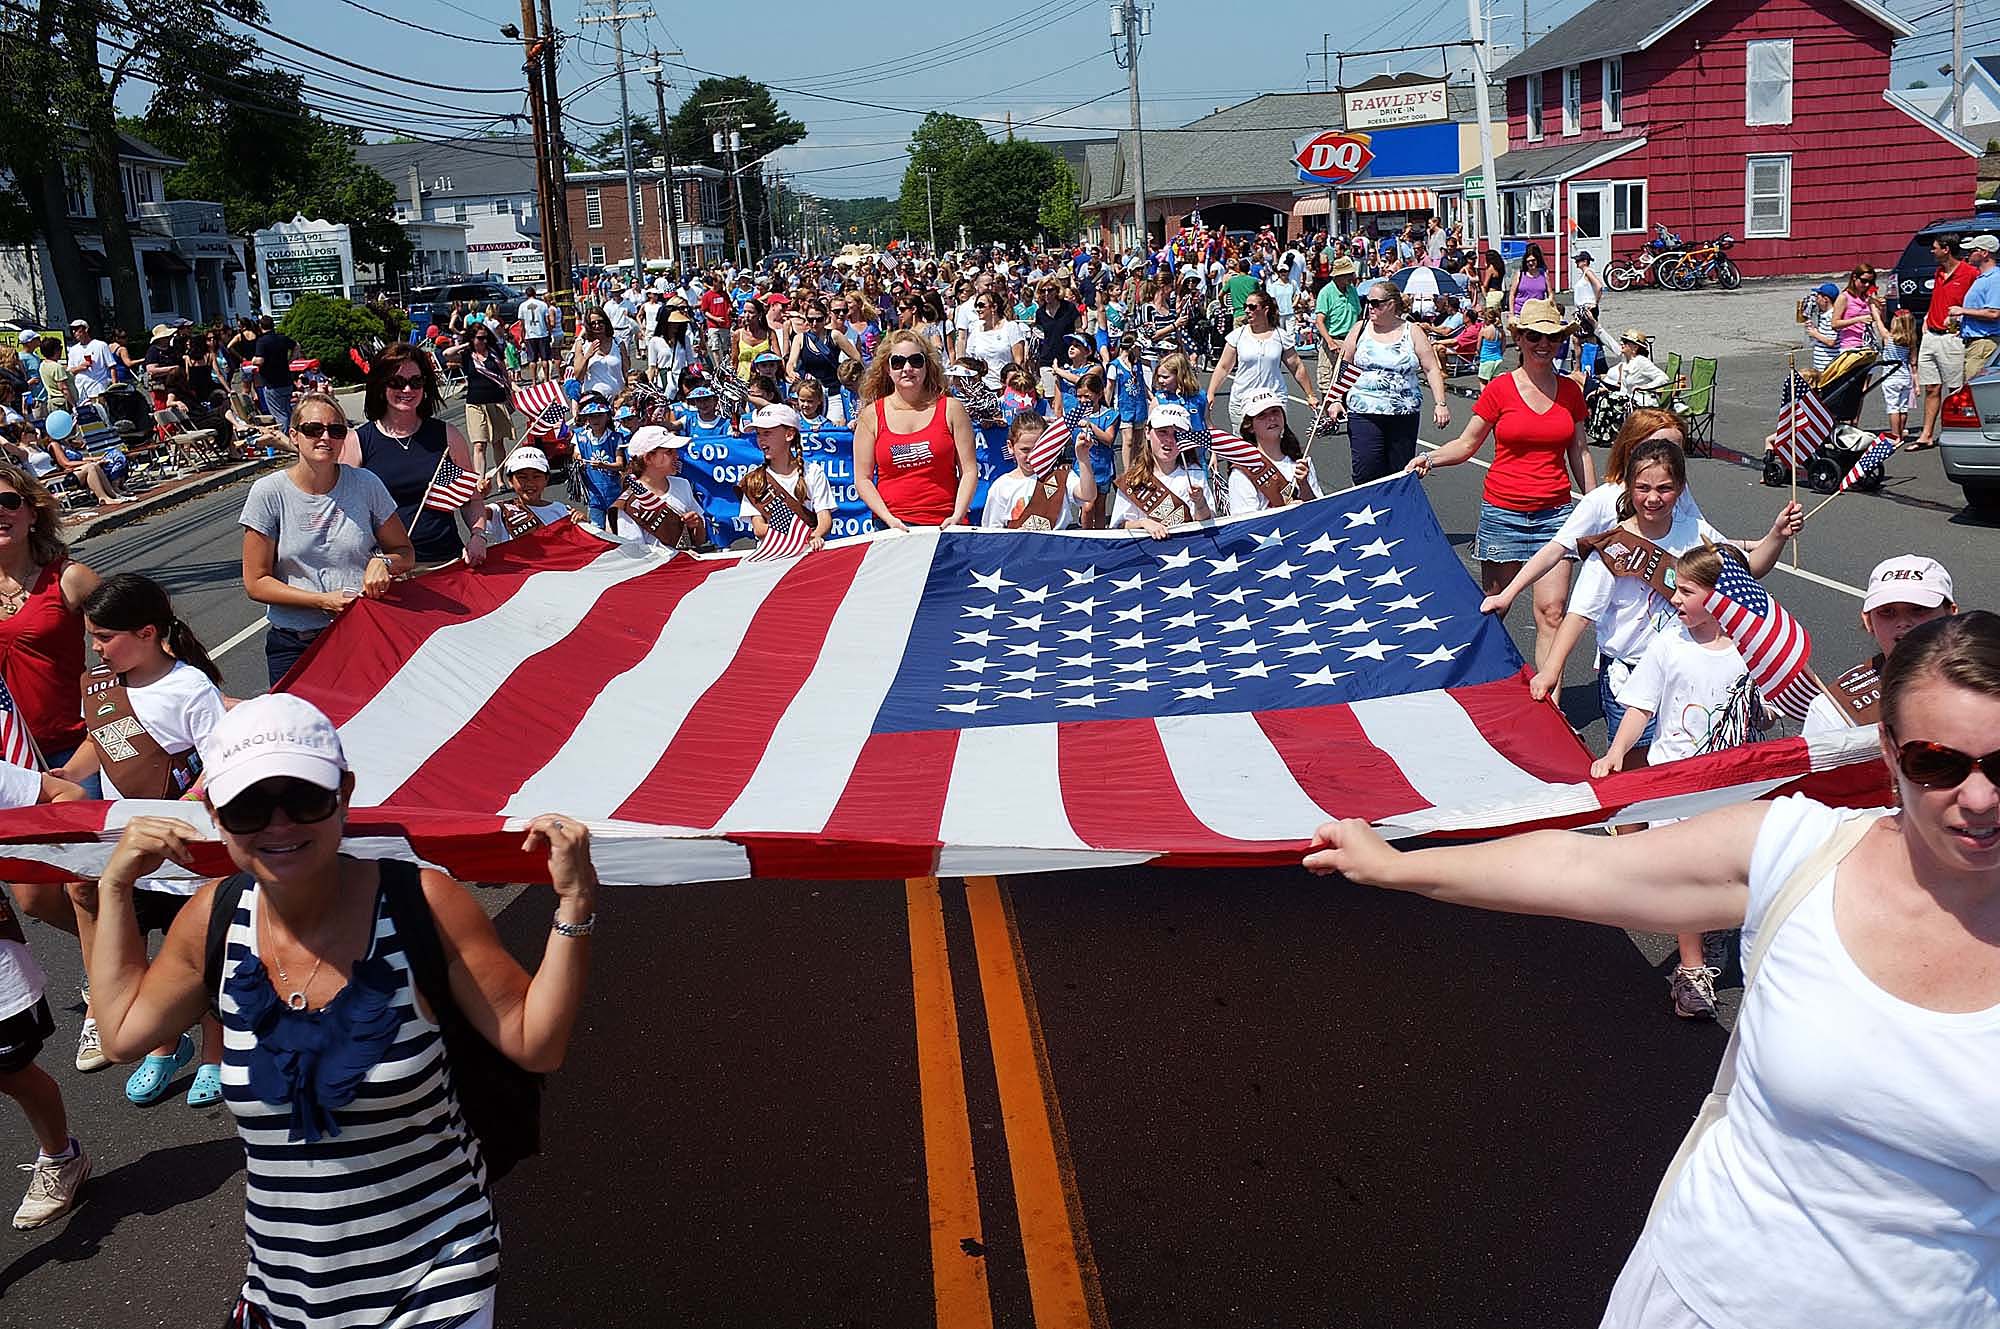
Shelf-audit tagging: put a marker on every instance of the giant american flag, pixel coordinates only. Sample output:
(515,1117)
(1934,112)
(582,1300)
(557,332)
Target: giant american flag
(952,702)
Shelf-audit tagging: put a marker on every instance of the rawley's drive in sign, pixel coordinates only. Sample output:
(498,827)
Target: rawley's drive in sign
(1385,104)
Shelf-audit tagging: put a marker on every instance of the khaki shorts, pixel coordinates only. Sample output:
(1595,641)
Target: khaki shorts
(489,422)
(1978,354)
(1941,361)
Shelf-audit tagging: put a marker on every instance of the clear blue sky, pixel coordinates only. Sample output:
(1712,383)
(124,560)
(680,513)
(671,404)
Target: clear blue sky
(1034,62)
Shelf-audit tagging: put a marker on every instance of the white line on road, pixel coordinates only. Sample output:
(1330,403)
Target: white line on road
(1801,573)
(239,638)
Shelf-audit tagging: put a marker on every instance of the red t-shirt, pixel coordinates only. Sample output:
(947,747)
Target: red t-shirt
(716,306)
(1947,292)
(1530,448)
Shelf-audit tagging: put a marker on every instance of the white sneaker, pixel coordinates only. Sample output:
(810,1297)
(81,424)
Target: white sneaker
(53,1186)
(89,1052)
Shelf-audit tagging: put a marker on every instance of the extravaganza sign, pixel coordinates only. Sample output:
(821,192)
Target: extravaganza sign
(1395,104)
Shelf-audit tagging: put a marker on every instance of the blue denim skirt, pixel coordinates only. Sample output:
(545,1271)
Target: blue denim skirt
(1507,536)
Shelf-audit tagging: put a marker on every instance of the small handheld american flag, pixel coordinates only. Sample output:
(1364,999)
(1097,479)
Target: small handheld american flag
(545,408)
(1803,423)
(1057,439)
(451,488)
(17,745)
(785,536)
(1871,461)
(1776,648)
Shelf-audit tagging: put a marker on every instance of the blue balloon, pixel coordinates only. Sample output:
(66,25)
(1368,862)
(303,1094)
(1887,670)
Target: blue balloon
(60,424)
(572,389)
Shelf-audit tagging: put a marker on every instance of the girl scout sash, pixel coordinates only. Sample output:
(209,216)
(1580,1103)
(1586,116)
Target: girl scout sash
(1044,508)
(1163,504)
(518,519)
(133,758)
(1272,481)
(780,505)
(656,517)
(1630,555)
(1858,693)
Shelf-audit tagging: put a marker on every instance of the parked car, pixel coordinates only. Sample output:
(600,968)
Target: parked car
(1916,270)
(1969,441)
(428,304)
(770,261)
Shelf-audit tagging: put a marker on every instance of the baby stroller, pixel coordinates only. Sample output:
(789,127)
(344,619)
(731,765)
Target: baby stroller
(1841,387)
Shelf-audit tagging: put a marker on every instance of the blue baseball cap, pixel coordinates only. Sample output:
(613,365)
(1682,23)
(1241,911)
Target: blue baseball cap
(1827,289)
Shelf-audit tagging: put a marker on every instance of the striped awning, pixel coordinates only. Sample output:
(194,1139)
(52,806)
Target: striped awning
(1393,200)
(1312,205)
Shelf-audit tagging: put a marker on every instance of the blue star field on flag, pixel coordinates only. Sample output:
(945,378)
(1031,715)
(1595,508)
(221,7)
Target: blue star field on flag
(1355,596)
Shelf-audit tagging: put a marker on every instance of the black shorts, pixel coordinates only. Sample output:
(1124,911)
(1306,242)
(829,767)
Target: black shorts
(22,1035)
(537,349)
(157,910)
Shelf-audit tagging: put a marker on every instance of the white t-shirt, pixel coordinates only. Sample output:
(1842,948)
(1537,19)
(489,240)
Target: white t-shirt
(1692,688)
(90,362)
(619,316)
(808,485)
(496,525)
(1626,612)
(965,318)
(1008,494)
(1855,1182)
(605,373)
(178,709)
(1824,716)
(1247,497)
(22,981)
(680,497)
(1260,362)
(1597,512)
(995,346)
(1182,481)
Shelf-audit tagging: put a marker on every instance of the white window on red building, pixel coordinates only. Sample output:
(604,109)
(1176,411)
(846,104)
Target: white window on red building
(1572,100)
(1767,196)
(1767,82)
(1534,107)
(1529,211)
(597,256)
(593,210)
(1613,100)
(1628,205)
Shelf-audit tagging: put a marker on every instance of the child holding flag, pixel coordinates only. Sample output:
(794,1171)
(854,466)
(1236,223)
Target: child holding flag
(1695,684)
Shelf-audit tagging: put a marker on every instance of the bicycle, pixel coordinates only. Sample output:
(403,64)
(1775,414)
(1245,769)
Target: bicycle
(1641,267)
(1693,268)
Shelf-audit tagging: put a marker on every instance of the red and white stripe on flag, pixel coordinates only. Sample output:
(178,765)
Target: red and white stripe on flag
(1232,448)
(544,406)
(17,745)
(1059,437)
(451,488)
(1803,427)
(788,541)
(764,679)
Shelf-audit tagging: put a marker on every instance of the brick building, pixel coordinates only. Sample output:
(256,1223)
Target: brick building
(600,228)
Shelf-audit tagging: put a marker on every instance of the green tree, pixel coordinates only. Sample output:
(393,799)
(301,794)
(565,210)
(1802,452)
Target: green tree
(607,150)
(771,128)
(997,191)
(1059,214)
(940,144)
(327,328)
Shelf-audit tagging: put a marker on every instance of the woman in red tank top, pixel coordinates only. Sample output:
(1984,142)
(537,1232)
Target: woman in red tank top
(914,458)
(41,643)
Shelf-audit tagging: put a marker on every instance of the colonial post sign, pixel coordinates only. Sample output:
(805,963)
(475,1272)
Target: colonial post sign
(298,256)
(1331,157)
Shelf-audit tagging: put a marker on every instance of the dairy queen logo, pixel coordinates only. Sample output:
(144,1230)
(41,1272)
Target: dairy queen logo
(1332,157)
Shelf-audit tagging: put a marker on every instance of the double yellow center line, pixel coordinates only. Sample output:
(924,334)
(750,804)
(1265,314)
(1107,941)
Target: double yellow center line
(1062,1275)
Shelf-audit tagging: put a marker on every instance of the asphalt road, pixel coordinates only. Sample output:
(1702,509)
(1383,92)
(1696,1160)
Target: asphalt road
(1132,1097)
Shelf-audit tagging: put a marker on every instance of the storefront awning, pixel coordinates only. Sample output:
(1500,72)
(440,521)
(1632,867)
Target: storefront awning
(166,260)
(1312,205)
(1393,200)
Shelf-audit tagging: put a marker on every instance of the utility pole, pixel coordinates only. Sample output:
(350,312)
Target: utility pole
(672,204)
(1325,54)
(532,43)
(729,138)
(1958,66)
(618,18)
(1524,24)
(1130,22)
(1482,97)
(559,258)
(929,214)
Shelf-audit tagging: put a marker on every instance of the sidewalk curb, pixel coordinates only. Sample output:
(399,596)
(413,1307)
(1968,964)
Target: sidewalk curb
(205,483)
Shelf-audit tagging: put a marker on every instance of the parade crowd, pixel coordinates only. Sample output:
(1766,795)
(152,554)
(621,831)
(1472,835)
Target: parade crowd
(335,1004)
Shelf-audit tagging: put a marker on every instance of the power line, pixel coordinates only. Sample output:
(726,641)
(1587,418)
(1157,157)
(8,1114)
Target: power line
(435,32)
(324,55)
(838,75)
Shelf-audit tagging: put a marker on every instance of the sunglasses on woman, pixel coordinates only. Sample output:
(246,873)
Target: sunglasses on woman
(406,383)
(1935,766)
(11,501)
(317,429)
(906,361)
(304,803)
(1530,335)
(1374,301)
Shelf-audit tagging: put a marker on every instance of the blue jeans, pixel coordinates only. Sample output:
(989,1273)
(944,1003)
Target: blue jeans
(1614,709)
(1380,444)
(278,405)
(283,647)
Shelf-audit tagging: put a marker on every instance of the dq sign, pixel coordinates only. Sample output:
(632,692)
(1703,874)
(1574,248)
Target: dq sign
(1332,157)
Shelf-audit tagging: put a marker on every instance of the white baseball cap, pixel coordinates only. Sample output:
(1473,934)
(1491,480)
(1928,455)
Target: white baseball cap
(527,459)
(1168,415)
(272,735)
(774,416)
(1908,579)
(1260,401)
(651,438)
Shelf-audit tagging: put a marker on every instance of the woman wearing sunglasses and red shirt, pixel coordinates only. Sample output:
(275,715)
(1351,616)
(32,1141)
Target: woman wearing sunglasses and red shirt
(914,457)
(1849,1181)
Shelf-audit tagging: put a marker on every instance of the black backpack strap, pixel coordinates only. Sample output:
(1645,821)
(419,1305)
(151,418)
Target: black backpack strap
(222,905)
(403,896)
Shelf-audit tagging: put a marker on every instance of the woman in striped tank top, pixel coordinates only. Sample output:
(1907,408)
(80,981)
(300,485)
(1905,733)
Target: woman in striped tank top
(367,1203)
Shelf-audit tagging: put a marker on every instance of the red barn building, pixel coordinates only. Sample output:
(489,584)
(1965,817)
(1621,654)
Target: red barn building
(1772,120)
